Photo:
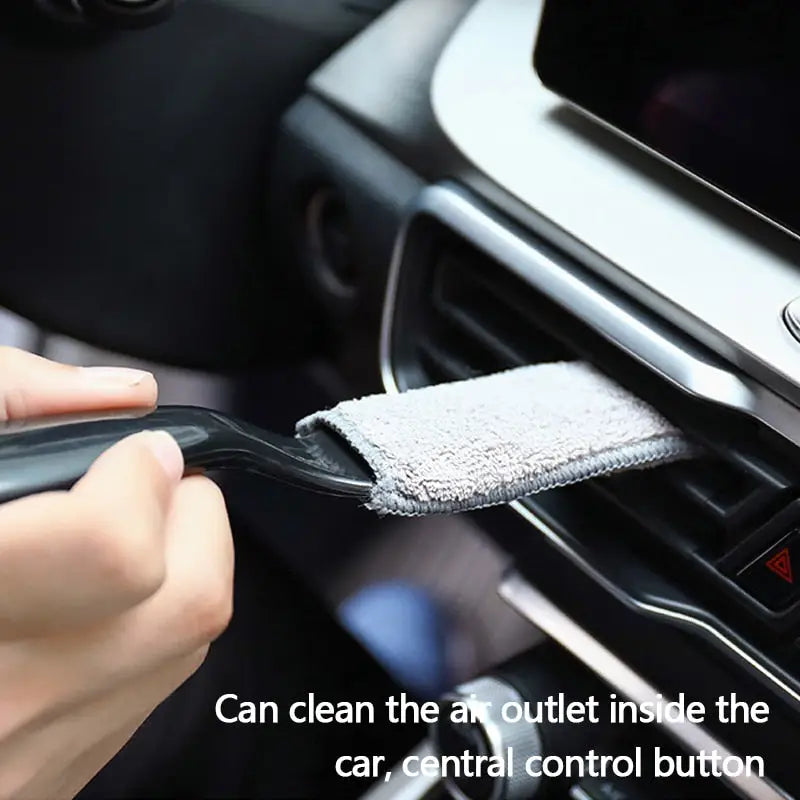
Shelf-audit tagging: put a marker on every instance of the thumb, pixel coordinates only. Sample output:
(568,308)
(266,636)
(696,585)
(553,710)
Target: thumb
(32,386)
(70,559)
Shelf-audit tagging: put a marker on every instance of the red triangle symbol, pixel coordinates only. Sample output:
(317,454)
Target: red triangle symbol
(781,565)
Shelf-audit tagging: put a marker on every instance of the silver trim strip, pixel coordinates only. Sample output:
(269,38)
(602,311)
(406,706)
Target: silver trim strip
(674,164)
(390,300)
(648,346)
(537,609)
(650,608)
(691,372)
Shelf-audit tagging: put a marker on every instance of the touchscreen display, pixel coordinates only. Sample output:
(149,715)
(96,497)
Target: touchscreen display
(712,85)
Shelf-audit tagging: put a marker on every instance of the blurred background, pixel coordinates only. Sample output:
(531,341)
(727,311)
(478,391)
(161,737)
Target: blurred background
(177,192)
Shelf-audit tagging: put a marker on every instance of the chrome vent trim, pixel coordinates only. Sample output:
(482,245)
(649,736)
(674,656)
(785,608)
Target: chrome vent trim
(675,362)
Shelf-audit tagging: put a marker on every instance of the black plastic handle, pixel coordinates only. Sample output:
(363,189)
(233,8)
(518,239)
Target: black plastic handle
(45,455)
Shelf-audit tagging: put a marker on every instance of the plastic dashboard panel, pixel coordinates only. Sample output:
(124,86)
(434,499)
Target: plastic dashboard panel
(660,236)
(565,537)
(381,81)
(671,243)
(536,169)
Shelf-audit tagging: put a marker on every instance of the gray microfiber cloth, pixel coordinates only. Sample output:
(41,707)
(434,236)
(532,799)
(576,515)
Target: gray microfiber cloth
(490,440)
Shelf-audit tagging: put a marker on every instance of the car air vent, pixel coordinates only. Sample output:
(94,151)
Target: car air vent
(475,317)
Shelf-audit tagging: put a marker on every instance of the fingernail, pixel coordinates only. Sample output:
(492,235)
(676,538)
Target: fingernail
(166,450)
(116,375)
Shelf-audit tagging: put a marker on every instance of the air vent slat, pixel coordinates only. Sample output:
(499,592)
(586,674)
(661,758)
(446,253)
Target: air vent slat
(487,310)
(471,327)
(444,366)
(480,318)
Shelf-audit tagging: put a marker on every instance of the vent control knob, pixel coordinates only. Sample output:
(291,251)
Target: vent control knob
(490,736)
(791,317)
(542,675)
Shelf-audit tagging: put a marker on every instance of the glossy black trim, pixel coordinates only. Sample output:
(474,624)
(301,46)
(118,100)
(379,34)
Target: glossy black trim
(44,455)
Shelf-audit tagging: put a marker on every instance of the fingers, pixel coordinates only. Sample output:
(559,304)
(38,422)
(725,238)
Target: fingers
(70,559)
(77,688)
(190,610)
(111,592)
(195,604)
(57,757)
(33,386)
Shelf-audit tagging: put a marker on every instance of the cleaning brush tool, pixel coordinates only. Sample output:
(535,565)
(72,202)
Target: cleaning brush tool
(440,449)
(491,440)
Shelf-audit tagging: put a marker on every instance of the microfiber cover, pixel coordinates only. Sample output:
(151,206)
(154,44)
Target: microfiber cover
(491,440)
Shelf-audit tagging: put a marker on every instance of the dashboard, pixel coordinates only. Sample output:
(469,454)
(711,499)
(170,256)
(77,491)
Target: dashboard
(519,231)
(705,86)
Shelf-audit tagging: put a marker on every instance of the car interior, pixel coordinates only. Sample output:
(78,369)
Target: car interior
(280,205)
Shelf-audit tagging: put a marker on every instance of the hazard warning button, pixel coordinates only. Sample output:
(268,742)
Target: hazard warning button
(774,577)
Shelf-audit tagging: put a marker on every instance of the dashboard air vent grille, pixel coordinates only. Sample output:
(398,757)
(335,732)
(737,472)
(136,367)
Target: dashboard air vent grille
(480,318)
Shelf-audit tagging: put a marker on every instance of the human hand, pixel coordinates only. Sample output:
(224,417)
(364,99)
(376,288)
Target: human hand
(111,592)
